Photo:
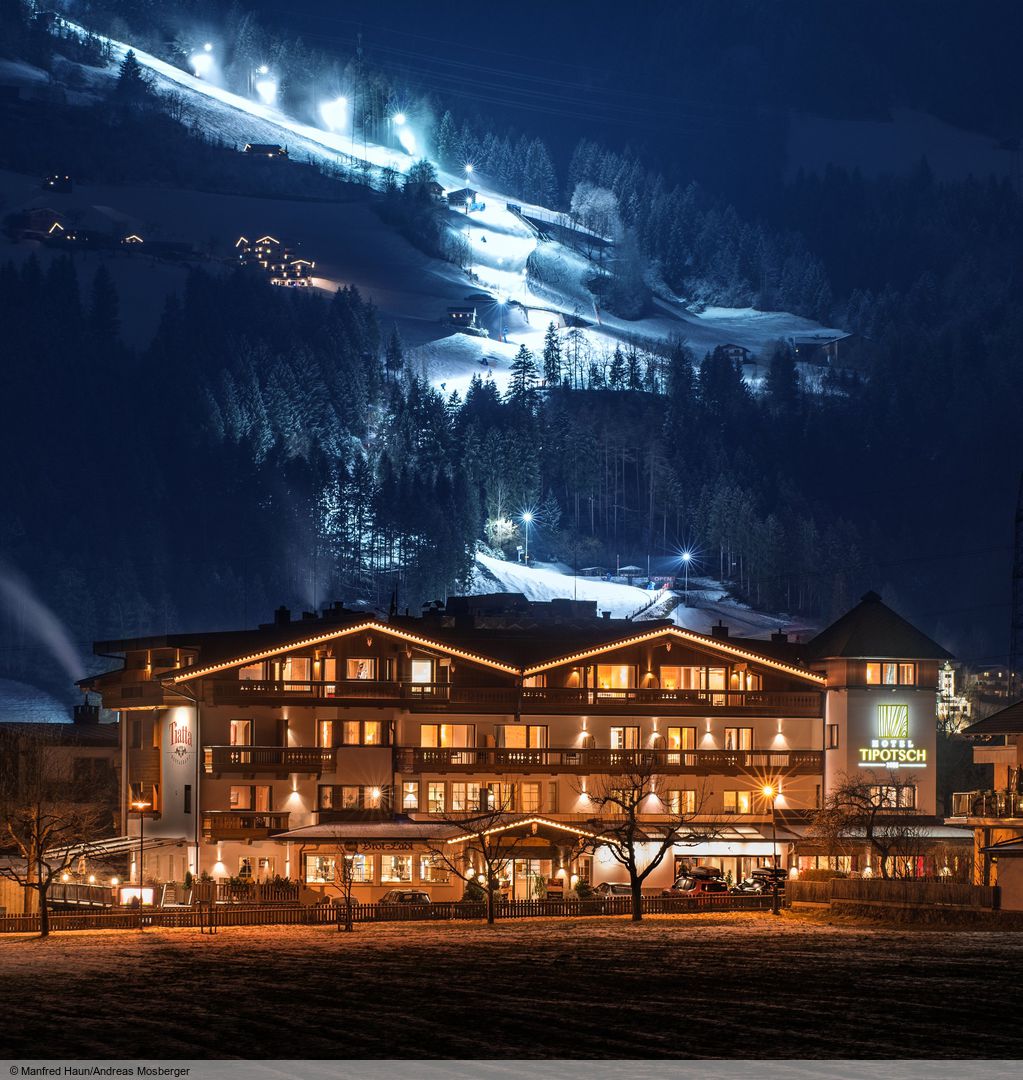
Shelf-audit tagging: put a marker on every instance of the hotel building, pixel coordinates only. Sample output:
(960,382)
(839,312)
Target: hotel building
(277,751)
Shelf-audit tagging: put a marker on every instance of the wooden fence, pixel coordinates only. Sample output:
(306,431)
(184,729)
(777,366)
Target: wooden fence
(901,892)
(215,916)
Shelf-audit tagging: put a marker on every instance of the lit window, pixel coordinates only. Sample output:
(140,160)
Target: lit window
(319,869)
(681,801)
(395,868)
(625,738)
(371,733)
(410,795)
(890,673)
(255,672)
(432,870)
(615,676)
(422,671)
(832,736)
(352,732)
(679,678)
(435,797)
(738,802)
(681,738)
(351,797)
(325,733)
(361,668)
(517,736)
(465,796)
(738,738)
(529,798)
(295,672)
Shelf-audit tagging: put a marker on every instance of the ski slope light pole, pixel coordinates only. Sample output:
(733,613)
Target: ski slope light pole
(771,792)
(527,520)
(687,558)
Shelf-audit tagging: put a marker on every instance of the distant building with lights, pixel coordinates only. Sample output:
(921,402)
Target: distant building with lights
(275,750)
(272,257)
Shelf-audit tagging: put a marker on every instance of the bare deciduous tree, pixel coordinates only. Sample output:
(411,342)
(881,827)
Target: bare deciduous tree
(638,828)
(43,822)
(861,810)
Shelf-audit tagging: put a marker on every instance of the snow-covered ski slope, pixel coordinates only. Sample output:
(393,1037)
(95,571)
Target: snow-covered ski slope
(500,243)
(708,603)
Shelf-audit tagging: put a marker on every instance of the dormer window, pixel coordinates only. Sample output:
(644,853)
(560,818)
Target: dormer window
(890,673)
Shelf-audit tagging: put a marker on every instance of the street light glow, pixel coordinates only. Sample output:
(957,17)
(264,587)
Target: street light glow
(208,47)
(202,64)
(527,517)
(399,118)
(263,69)
(767,791)
(469,168)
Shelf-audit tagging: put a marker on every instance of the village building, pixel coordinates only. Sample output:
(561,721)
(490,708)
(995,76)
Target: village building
(282,750)
(995,813)
(276,260)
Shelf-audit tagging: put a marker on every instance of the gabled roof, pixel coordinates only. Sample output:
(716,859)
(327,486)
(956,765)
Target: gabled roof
(691,637)
(372,626)
(871,630)
(1007,721)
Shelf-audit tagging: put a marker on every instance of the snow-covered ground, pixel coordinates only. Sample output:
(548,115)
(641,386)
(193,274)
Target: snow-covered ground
(708,600)
(366,252)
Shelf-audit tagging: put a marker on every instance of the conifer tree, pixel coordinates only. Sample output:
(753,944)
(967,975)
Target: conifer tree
(551,356)
(523,378)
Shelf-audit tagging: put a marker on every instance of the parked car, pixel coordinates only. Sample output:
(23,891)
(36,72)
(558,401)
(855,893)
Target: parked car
(613,888)
(767,874)
(752,886)
(687,885)
(405,896)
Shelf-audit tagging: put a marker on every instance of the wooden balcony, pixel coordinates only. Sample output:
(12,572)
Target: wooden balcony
(988,806)
(445,697)
(415,759)
(243,824)
(268,760)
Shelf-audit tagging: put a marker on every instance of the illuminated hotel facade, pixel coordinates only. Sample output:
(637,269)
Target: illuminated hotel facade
(276,752)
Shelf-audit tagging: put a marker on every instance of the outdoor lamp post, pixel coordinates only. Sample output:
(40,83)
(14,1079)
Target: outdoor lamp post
(687,558)
(527,520)
(141,806)
(771,792)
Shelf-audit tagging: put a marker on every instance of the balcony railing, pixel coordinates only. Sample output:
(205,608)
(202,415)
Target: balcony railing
(243,824)
(415,759)
(987,804)
(268,759)
(530,698)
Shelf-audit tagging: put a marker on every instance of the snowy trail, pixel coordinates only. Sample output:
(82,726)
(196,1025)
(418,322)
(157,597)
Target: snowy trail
(500,243)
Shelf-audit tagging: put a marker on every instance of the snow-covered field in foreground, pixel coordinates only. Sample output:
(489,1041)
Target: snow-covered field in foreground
(697,986)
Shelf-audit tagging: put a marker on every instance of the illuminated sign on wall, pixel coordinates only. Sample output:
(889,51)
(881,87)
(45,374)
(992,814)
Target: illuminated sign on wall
(893,748)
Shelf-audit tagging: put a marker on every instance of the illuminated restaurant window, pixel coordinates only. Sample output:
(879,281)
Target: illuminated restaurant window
(360,868)
(433,870)
(395,868)
(893,796)
(410,795)
(738,802)
(435,797)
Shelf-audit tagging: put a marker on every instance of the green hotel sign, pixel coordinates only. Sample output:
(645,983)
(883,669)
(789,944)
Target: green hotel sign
(893,748)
